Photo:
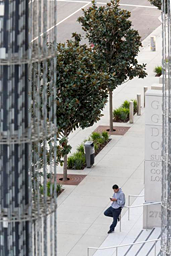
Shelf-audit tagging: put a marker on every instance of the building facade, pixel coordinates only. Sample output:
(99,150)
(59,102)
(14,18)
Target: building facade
(28,199)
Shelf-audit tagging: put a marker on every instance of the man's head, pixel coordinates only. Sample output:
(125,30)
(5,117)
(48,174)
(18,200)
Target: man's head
(115,188)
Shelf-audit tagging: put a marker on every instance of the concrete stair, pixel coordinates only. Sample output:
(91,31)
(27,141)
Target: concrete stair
(145,249)
(132,232)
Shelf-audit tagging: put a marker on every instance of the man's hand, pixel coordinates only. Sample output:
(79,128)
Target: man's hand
(113,199)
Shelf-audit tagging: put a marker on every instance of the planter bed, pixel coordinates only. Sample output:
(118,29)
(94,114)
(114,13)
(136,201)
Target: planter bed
(77,160)
(117,130)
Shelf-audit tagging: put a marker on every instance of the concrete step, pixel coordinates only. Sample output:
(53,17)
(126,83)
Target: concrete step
(131,233)
(135,249)
(146,249)
(130,230)
(125,250)
(158,247)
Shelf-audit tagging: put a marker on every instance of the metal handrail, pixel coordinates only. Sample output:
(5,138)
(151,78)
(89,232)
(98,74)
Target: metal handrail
(135,206)
(144,204)
(124,245)
(110,247)
(129,202)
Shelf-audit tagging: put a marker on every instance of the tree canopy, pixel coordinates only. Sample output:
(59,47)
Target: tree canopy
(117,43)
(157,3)
(81,88)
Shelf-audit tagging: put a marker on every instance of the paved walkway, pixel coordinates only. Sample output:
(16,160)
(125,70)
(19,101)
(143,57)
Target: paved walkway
(81,222)
(131,232)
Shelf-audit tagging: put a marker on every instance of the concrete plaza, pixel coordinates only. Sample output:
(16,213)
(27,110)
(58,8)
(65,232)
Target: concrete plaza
(81,222)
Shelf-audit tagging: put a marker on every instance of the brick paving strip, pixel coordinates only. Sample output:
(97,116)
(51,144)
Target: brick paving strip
(74,179)
(118,130)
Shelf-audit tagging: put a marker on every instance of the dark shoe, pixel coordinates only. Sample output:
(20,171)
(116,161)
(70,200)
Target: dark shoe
(110,231)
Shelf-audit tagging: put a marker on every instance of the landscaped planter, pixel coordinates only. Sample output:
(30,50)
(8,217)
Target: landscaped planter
(77,161)
(59,189)
(121,114)
(158,71)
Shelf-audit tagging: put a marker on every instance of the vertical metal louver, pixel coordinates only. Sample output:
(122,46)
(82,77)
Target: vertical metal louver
(28,199)
(166,145)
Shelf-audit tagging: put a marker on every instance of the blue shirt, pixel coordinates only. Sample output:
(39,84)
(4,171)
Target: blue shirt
(120,196)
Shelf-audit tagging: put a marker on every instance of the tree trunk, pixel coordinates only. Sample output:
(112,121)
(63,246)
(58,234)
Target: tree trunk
(65,168)
(110,110)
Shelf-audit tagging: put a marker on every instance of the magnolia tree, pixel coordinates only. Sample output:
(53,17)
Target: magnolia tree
(81,89)
(157,3)
(116,44)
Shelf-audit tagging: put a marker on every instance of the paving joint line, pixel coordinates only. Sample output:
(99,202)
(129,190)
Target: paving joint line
(136,169)
(57,24)
(86,4)
(85,234)
(110,148)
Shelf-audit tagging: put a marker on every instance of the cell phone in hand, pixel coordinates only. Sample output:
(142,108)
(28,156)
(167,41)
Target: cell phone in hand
(111,198)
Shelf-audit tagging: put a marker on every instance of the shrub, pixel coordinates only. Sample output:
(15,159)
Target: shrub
(121,114)
(96,147)
(125,104)
(95,136)
(98,139)
(101,140)
(76,161)
(105,135)
(98,143)
(135,106)
(80,161)
(81,148)
(70,161)
(58,189)
(158,70)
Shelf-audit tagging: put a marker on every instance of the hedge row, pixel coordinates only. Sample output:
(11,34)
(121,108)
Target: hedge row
(77,161)
(121,114)
(58,189)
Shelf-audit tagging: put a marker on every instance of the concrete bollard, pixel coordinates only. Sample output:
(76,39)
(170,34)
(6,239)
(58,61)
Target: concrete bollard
(131,112)
(145,89)
(153,43)
(138,104)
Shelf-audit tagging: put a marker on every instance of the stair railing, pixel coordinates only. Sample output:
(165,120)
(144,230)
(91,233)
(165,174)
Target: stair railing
(118,246)
(135,206)
(124,245)
(129,203)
